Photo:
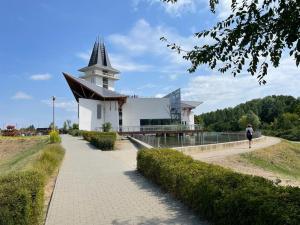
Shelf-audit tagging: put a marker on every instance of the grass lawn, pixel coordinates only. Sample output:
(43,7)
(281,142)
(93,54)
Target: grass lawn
(283,158)
(16,153)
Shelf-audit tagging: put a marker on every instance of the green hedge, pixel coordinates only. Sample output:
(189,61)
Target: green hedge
(87,135)
(103,143)
(218,194)
(75,132)
(21,198)
(102,140)
(22,193)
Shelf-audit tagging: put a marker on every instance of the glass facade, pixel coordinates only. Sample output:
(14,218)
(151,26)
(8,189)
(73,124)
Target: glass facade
(145,122)
(175,105)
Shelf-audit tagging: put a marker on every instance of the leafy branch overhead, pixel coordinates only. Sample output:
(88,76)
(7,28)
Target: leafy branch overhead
(254,34)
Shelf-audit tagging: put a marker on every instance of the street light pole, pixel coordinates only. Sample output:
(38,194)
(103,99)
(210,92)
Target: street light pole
(53,114)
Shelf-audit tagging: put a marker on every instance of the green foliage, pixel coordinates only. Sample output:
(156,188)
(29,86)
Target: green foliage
(218,194)
(254,33)
(75,126)
(22,193)
(290,134)
(102,140)
(54,136)
(106,127)
(50,159)
(249,118)
(74,132)
(276,113)
(21,198)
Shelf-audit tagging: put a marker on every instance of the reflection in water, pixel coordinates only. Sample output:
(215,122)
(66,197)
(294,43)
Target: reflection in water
(202,138)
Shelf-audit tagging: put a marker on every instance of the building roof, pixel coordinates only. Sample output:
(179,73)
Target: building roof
(84,89)
(99,58)
(190,104)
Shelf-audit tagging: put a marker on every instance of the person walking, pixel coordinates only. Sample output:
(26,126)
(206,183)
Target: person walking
(249,134)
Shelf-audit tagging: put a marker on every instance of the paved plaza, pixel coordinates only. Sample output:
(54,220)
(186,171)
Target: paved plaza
(95,187)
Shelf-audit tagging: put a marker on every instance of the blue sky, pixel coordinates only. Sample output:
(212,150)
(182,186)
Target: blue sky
(41,39)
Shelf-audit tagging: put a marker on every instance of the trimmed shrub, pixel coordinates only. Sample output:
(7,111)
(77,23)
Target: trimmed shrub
(75,132)
(87,135)
(21,198)
(22,193)
(54,136)
(103,143)
(102,140)
(220,195)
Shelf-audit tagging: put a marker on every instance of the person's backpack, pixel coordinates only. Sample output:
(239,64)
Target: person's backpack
(249,133)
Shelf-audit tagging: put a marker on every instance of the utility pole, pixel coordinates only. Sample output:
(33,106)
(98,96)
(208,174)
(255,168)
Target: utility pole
(53,113)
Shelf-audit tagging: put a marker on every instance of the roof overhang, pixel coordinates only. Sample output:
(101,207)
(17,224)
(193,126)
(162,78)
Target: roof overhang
(81,89)
(190,104)
(99,67)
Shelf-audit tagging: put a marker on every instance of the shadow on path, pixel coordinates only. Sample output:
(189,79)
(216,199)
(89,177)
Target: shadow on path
(180,213)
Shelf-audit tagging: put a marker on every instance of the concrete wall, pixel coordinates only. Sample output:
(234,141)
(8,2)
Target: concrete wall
(88,114)
(144,108)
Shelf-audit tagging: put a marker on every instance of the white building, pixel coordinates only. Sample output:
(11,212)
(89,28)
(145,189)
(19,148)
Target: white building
(98,103)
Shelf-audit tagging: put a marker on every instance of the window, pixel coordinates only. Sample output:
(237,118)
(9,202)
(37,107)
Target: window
(105,82)
(93,80)
(99,112)
(147,122)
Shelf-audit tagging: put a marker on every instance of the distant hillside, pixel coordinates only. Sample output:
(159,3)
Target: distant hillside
(274,115)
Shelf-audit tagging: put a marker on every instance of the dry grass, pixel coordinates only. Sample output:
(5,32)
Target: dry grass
(10,146)
(283,159)
(279,163)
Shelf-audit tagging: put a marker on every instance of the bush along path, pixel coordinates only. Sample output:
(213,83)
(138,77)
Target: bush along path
(220,195)
(104,141)
(22,192)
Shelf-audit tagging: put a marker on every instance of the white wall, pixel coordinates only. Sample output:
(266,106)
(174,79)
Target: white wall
(88,114)
(144,108)
(111,84)
(187,116)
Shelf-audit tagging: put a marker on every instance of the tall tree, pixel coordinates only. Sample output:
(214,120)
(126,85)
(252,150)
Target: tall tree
(254,34)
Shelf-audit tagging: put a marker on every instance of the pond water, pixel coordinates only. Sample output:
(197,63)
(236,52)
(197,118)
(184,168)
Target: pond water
(203,138)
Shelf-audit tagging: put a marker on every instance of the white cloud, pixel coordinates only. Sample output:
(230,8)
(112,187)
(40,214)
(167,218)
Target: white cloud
(159,95)
(42,76)
(126,65)
(144,40)
(67,105)
(85,56)
(149,86)
(220,91)
(177,9)
(20,95)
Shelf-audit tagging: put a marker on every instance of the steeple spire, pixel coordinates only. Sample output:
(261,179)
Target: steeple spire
(99,55)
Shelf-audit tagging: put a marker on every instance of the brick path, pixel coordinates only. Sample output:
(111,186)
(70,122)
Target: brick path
(95,187)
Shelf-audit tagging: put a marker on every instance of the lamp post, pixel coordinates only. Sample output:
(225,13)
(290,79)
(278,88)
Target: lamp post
(53,115)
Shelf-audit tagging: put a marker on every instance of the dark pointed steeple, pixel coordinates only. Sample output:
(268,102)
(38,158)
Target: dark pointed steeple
(99,55)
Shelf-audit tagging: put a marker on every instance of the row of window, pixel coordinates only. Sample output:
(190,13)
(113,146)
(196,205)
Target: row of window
(145,122)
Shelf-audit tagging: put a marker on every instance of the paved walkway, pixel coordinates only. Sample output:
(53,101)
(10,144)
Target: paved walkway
(215,155)
(95,187)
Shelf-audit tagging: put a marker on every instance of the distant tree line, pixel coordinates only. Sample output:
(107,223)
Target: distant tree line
(274,115)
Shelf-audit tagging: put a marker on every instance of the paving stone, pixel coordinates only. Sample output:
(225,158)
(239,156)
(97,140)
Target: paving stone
(95,187)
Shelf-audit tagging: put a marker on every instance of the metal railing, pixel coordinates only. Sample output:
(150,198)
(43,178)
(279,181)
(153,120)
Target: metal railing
(155,128)
(201,138)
